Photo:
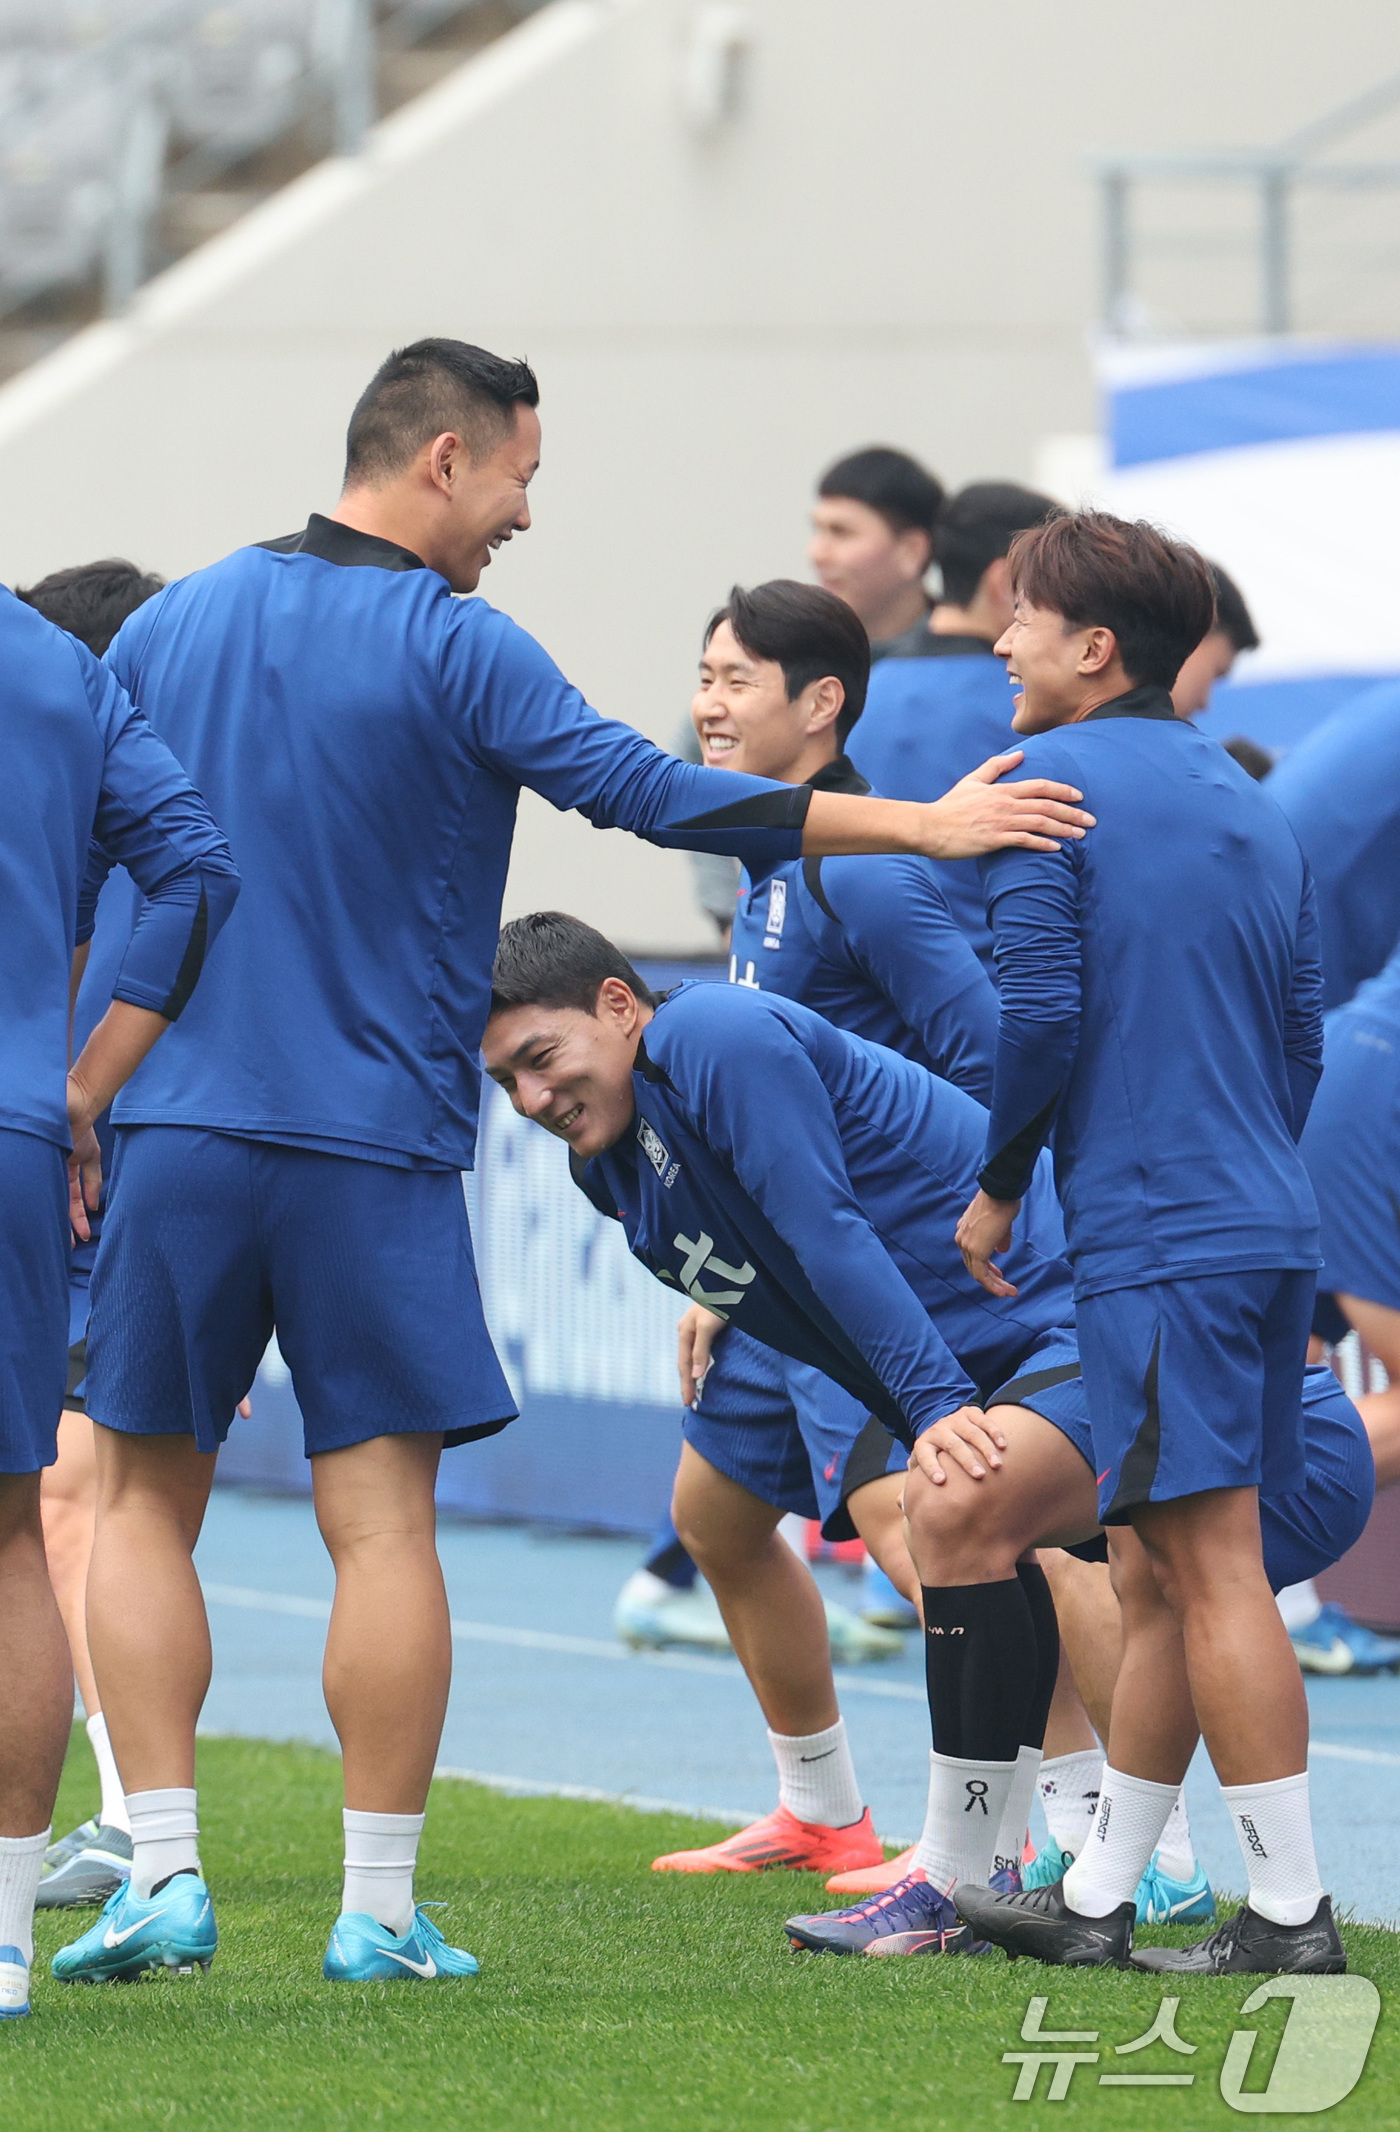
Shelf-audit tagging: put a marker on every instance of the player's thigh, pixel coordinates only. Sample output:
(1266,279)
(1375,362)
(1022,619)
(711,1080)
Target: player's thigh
(380,1488)
(70,1483)
(745,1427)
(1305,1532)
(847,1447)
(1042,1494)
(33,1301)
(876,1509)
(719,1521)
(377,1305)
(181,1310)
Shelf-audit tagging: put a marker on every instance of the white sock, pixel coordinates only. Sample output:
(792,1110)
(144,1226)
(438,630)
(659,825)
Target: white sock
(1069,1792)
(164,1835)
(1175,1849)
(1126,1831)
(1274,1825)
(1010,1845)
(381,1851)
(21,1862)
(816,1776)
(966,1803)
(112,1812)
(1299,1605)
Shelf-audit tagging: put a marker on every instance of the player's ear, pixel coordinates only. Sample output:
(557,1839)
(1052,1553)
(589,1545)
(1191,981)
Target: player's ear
(827,700)
(1099,648)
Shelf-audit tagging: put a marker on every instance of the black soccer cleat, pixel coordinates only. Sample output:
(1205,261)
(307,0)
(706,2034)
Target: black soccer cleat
(1040,1923)
(1249,1945)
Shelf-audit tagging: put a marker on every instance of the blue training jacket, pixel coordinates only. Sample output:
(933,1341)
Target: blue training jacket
(926,723)
(79,762)
(870,943)
(1340,788)
(805,1184)
(364,735)
(1160,1007)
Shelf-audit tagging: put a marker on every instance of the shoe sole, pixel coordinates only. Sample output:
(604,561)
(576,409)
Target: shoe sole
(175,1961)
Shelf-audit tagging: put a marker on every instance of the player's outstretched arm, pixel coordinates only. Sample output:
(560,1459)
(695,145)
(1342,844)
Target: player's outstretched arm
(979,815)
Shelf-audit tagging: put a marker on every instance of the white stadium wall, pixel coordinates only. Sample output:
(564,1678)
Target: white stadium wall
(890,238)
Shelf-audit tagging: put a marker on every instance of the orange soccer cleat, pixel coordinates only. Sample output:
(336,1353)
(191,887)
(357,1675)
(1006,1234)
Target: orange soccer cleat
(873,1879)
(780,1839)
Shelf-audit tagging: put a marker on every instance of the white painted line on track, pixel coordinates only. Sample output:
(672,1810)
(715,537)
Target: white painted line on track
(849,1683)
(1334,1753)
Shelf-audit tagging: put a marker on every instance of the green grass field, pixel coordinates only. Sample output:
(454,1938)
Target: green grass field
(610,1999)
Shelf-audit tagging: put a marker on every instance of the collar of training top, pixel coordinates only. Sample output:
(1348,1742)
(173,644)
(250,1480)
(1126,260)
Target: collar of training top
(1152,702)
(335,543)
(839,775)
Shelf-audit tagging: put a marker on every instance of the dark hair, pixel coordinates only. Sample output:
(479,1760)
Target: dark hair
(92,600)
(431,386)
(809,632)
(904,493)
(1249,755)
(552,960)
(1095,570)
(1232,618)
(977,526)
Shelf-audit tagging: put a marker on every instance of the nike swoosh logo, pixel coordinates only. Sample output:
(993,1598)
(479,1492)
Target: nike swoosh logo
(420,1969)
(114,1939)
(824,1756)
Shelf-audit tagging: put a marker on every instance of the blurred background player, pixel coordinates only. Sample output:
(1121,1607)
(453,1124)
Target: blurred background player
(1213,661)
(366,734)
(869,943)
(80,763)
(872,544)
(952,705)
(1340,788)
(90,601)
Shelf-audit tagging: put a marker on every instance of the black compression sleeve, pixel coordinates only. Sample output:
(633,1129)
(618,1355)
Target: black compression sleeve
(982,1664)
(1036,1586)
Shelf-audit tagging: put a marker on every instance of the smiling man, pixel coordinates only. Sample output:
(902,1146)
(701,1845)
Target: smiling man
(365,736)
(1161,1011)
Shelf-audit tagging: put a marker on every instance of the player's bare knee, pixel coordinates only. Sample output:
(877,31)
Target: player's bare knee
(955,1531)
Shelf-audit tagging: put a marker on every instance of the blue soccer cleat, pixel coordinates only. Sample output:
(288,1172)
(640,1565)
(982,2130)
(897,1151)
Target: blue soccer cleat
(69,1846)
(912,1917)
(362,1952)
(1161,1900)
(1045,1868)
(14,1985)
(1334,1643)
(173,1929)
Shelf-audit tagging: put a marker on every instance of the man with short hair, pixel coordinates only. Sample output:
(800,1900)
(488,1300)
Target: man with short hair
(80,763)
(871,944)
(366,735)
(1160,1010)
(872,543)
(948,702)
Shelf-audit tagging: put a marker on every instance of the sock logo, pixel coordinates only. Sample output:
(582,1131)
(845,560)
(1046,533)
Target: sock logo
(976,1795)
(934,1630)
(1252,1837)
(1101,1825)
(822,1757)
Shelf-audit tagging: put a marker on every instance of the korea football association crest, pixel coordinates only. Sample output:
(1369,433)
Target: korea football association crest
(777,912)
(657,1153)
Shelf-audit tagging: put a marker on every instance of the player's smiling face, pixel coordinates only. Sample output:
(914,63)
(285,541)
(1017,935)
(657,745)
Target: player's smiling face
(745,719)
(568,1070)
(1053,665)
(487,501)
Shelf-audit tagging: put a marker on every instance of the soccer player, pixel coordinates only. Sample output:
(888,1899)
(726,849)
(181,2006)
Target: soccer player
(930,720)
(1160,1008)
(365,735)
(1213,660)
(981,1494)
(90,601)
(872,543)
(1340,789)
(870,943)
(792,1179)
(79,761)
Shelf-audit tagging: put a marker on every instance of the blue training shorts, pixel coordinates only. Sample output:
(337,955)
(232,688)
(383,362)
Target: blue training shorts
(365,1271)
(1196,1384)
(33,1299)
(787,1433)
(1351,1146)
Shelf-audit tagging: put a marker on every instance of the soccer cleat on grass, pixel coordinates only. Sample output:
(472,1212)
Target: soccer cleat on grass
(1249,1945)
(872,1879)
(780,1839)
(1162,1900)
(363,1952)
(69,1846)
(883,1603)
(14,1984)
(88,1876)
(172,1929)
(1334,1643)
(912,1917)
(649,1619)
(1040,1923)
